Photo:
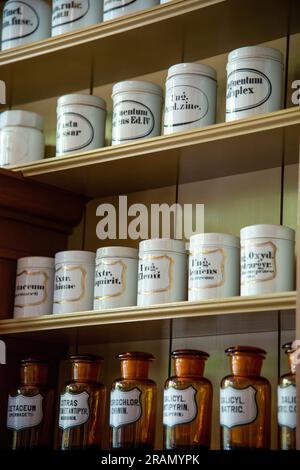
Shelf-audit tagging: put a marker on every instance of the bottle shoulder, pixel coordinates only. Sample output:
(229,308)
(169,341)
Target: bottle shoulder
(79,387)
(124,384)
(29,390)
(185,382)
(236,381)
(287,379)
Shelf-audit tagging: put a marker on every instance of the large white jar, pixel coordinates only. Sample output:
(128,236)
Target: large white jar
(136,111)
(162,276)
(34,287)
(74,281)
(21,137)
(114,8)
(68,16)
(267,259)
(254,82)
(214,270)
(80,123)
(24,22)
(115,277)
(191,97)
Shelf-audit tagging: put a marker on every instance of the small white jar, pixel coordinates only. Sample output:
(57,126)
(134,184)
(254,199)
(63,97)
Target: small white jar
(80,123)
(136,111)
(115,8)
(254,82)
(214,268)
(267,259)
(115,277)
(24,22)
(191,97)
(21,138)
(74,281)
(69,16)
(162,276)
(34,287)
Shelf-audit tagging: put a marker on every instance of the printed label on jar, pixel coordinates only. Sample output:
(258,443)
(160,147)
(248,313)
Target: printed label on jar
(74,132)
(70,284)
(31,289)
(238,406)
(125,407)
(287,412)
(155,274)
(206,269)
(247,89)
(20,20)
(110,279)
(258,262)
(69,12)
(111,5)
(180,406)
(185,105)
(24,412)
(74,410)
(131,120)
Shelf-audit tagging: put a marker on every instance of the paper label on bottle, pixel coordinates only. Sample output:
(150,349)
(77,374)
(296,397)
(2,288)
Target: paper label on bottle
(69,12)
(74,132)
(110,279)
(20,20)
(185,105)
(247,89)
(258,262)
(74,410)
(125,407)
(238,406)
(24,412)
(180,406)
(70,284)
(155,274)
(131,120)
(206,269)
(31,289)
(110,5)
(287,412)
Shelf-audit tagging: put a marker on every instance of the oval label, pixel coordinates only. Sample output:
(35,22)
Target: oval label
(247,89)
(74,132)
(19,21)
(111,5)
(131,120)
(66,13)
(185,105)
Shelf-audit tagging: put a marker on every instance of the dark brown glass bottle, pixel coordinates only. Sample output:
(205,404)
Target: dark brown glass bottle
(245,401)
(82,406)
(287,416)
(30,408)
(188,403)
(133,404)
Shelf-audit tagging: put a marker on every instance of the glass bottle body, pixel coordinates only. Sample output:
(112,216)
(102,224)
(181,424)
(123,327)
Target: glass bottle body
(286,402)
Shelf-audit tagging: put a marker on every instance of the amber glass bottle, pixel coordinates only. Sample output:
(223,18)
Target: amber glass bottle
(30,408)
(188,403)
(82,406)
(287,417)
(245,401)
(133,404)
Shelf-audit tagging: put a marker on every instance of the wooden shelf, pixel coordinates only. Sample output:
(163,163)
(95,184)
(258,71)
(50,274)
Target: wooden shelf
(219,150)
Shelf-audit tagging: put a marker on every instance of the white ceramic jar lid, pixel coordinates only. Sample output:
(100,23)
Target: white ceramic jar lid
(138,86)
(117,252)
(35,262)
(256,52)
(268,231)
(162,244)
(192,68)
(81,99)
(75,257)
(21,118)
(213,239)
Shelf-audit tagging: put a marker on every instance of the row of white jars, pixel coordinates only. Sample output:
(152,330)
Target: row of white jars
(267,266)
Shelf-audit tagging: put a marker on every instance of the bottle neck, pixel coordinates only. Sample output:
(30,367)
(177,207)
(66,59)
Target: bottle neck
(135,369)
(34,374)
(189,366)
(292,366)
(246,365)
(85,371)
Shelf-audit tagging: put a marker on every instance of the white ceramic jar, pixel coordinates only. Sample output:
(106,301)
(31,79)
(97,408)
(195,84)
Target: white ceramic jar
(136,111)
(162,276)
(34,287)
(115,277)
(80,123)
(254,82)
(71,15)
(191,97)
(21,137)
(267,259)
(74,281)
(24,22)
(115,8)
(214,268)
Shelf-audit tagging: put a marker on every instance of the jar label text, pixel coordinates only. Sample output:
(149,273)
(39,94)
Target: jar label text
(131,120)
(74,132)
(238,406)
(206,269)
(155,274)
(185,105)
(66,12)
(73,410)
(24,412)
(31,289)
(287,412)
(180,406)
(258,262)
(110,279)
(111,5)
(125,407)
(69,284)
(20,20)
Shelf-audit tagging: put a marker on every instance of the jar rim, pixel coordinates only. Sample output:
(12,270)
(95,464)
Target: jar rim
(189,353)
(192,68)
(162,244)
(21,118)
(137,86)
(136,355)
(34,262)
(86,358)
(33,360)
(75,256)
(256,52)
(268,231)
(235,350)
(81,99)
(117,252)
(213,239)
